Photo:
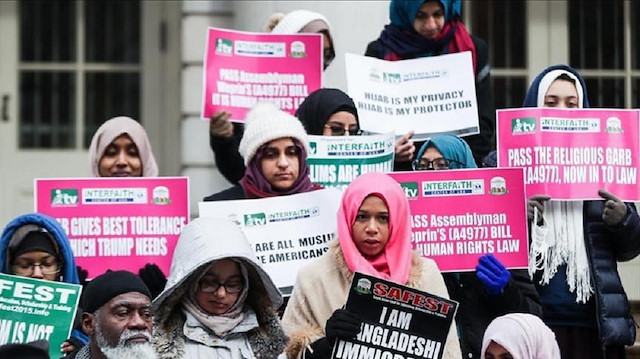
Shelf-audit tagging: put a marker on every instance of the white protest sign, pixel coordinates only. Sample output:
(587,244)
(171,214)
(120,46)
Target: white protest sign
(286,232)
(429,95)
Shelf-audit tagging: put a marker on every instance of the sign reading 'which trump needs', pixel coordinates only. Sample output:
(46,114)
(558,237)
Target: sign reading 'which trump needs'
(459,215)
(570,154)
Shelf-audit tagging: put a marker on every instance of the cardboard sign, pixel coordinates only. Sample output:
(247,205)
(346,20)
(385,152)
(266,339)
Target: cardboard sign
(243,68)
(398,321)
(429,95)
(335,161)
(570,154)
(34,309)
(285,232)
(459,215)
(115,223)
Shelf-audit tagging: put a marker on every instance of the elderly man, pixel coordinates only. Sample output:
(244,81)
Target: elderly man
(117,318)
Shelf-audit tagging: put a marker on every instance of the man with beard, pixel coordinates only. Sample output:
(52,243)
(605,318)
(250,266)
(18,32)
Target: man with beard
(117,318)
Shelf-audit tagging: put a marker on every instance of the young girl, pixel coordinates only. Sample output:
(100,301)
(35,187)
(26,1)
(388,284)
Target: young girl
(374,235)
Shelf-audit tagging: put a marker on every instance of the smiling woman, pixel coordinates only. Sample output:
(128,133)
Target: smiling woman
(121,148)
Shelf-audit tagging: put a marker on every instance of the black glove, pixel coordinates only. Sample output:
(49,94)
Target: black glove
(82,275)
(320,349)
(153,277)
(343,324)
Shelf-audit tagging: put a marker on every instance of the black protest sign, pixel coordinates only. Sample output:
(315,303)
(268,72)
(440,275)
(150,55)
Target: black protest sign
(399,322)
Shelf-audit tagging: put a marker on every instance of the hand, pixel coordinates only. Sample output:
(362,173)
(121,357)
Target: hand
(220,126)
(404,148)
(536,201)
(614,209)
(67,347)
(343,324)
(153,277)
(492,274)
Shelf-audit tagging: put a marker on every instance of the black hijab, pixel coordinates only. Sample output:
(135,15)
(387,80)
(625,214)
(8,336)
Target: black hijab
(316,109)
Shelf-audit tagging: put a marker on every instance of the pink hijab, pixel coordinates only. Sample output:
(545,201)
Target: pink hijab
(112,129)
(397,252)
(523,335)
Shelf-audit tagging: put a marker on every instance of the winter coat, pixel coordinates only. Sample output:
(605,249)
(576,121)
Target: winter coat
(482,143)
(322,286)
(202,242)
(477,308)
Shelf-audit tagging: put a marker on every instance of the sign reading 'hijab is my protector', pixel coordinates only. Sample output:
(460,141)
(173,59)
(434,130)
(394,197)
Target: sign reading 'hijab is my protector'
(398,322)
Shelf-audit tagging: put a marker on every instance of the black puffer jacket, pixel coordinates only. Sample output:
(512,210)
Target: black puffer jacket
(477,309)
(484,142)
(605,246)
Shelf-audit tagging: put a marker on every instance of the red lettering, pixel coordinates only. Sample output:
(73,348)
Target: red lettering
(380,289)
(394,293)
(406,296)
(445,308)
(432,304)
(418,300)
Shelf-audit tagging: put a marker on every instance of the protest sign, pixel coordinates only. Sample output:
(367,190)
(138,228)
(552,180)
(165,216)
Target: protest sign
(570,154)
(459,215)
(34,309)
(429,95)
(397,321)
(243,68)
(115,223)
(286,232)
(335,161)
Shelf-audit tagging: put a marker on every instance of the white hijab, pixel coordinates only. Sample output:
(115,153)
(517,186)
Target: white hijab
(523,335)
(560,239)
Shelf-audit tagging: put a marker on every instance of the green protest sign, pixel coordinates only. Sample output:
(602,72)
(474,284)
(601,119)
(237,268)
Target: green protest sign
(33,309)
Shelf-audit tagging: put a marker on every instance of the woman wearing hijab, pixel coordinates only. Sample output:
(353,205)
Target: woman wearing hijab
(491,290)
(274,148)
(519,336)
(224,137)
(34,245)
(321,114)
(374,237)
(121,148)
(575,246)
(218,302)
(432,28)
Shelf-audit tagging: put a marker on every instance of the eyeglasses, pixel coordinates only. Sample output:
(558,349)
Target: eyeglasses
(27,269)
(212,286)
(337,130)
(436,164)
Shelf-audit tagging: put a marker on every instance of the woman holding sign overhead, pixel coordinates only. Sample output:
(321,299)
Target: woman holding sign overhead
(491,290)
(274,148)
(218,302)
(432,28)
(575,247)
(374,237)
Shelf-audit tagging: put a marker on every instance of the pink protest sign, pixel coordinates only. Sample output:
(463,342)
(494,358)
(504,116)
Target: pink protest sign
(242,68)
(115,223)
(459,215)
(570,154)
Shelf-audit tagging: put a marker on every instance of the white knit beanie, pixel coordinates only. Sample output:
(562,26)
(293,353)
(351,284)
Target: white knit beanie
(265,123)
(296,20)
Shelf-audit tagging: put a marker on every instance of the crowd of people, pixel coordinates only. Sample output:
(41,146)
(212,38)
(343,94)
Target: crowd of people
(218,301)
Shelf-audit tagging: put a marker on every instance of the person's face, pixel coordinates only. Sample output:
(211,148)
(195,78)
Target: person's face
(280,163)
(123,321)
(370,230)
(341,123)
(561,94)
(432,159)
(496,351)
(224,274)
(38,265)
(429,19)
(120,159)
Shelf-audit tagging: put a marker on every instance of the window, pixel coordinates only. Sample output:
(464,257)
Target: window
(74,77)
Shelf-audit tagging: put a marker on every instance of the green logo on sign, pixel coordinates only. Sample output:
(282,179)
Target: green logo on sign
(255,219)
(224,46)
(410,189)
(314,147)
(393,78)
(523,125)
(64,197)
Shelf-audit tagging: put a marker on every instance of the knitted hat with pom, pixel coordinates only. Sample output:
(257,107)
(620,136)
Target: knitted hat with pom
(265,123)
